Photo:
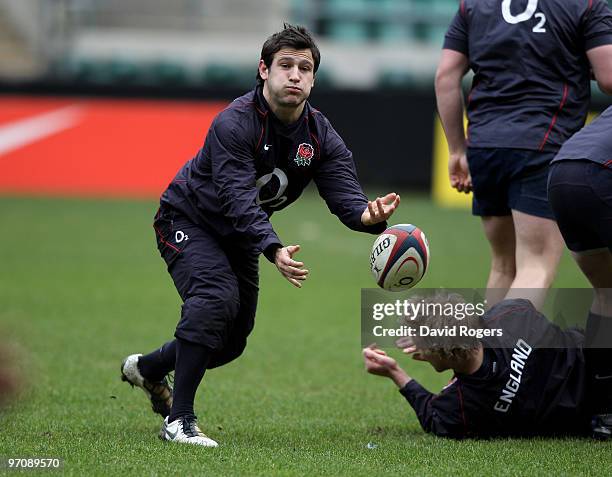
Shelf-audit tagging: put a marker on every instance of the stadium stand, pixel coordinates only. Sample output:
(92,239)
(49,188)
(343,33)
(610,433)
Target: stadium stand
(211,43)
(19,43)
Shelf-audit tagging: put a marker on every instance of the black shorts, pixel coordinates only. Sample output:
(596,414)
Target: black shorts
(217,278)
(580,194)
(509,179)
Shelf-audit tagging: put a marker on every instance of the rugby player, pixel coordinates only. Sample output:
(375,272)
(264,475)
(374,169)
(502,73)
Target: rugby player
(531,380)
(532,63)
(214,222)
(580,193)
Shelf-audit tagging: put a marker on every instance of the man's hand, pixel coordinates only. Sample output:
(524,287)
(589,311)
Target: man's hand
(377,362)
(289,268)
(459,173)
(380,209)
(406,344)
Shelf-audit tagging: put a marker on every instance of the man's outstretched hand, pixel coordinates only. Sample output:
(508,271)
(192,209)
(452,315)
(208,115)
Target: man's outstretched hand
(377,362)
(380,209)
(289,268)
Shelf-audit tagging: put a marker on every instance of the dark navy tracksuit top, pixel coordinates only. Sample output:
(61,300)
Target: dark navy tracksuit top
(533,381)
(592,143)
(252,165)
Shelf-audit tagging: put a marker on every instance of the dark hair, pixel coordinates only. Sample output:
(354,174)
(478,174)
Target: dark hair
(292,36)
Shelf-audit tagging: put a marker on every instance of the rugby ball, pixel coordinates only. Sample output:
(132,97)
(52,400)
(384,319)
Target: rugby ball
(399,257)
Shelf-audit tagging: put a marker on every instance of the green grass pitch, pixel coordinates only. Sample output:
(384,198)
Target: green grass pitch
(82,285)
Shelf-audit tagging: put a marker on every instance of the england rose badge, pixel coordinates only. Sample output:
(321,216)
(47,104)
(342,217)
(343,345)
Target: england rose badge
(304,155)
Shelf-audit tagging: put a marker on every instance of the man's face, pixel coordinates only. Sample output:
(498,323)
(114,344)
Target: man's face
(438,363)
(290,77)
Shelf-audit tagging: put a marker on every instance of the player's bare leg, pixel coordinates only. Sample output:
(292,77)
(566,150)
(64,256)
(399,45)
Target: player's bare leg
(539,246)
(500,234)
(597,267)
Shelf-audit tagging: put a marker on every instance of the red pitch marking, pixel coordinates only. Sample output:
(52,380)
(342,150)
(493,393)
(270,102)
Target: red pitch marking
(118,148)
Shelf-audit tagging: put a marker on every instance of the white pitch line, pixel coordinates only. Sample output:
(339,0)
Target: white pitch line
(23,132)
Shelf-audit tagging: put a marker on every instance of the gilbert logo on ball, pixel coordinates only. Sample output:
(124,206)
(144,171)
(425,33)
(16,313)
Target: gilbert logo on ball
(400,257)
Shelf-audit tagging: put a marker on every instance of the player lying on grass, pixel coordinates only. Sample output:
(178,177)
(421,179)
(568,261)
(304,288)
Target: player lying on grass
(532,380)
(214,222)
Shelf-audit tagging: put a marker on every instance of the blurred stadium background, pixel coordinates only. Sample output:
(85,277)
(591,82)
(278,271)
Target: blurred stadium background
(100,102)
(210,43)
(375,81)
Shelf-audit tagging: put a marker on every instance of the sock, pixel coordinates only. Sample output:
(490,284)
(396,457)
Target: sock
(191,362)
(154,366)
(598,356)
(598,331)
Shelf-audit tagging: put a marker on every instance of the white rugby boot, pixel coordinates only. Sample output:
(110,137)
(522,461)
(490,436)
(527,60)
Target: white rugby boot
(159,393)
(186,431)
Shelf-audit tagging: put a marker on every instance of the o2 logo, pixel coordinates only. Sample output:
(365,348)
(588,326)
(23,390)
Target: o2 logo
(270,189)
(180,236)
(528,14)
